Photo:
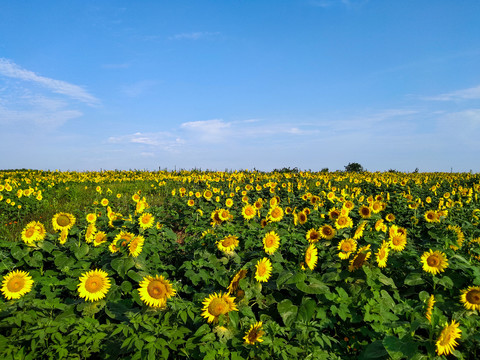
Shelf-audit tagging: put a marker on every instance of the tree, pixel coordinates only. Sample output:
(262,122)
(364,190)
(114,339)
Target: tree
(354,167)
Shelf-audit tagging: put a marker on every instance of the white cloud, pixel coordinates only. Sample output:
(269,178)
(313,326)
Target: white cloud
(194,35)
(464,94)
(215,130)
(163,140)
(10,69)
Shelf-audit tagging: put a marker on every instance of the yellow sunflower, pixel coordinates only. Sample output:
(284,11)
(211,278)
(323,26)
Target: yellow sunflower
(249,212)
(215,216)
(99,238)
(33,231)
(263,270)
(327,232)
(155,291)
(362,255)
(302,217)
(311,256)
(228,244)
(398,241)
(62,238)
(236,281)
(470,298)
(365,212)
(254,334)
(346,247)
(271,242)
(90,232)
(447,340)
(275,214)
(313,236)
(431,216)
(216,305)
(434,262)
(91,217)
(343,221)
(382,255)
(146,220)
(359,231)
(62,221)
(94,285)
(104,202)
(428,312)
(16,284)
(135,246)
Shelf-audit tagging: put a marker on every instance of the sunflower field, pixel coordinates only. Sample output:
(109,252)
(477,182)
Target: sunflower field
(239,265)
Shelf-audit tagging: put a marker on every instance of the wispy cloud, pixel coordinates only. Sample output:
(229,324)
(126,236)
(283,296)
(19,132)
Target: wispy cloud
(164,140)
(215,130)
(138,88)
(464,94)
(9,69)
(194,35)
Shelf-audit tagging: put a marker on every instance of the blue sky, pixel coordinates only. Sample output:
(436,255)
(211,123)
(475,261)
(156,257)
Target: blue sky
(90,85)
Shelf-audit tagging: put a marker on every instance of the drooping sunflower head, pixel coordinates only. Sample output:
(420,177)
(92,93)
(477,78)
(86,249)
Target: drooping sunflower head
(63,221)
(362,255)
(447,339)
(359,230)
(16,284)
(271,242)
(94,285)
(155,291)
(254,334)
(135,246)
(311,256)
(382,255)
(216,305)
(228,243)
(233,286)
(263,270)
(430,303)
(90,232)
(470,298)
(434,262)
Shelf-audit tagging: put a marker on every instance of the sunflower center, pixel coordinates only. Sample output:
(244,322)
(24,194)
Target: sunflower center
(327,231)
(276,213)
(446,338)
(261,269)
(30,231)
(397,240)
(270,241)
(249,211)
(314,236)
(146,219)
(227,242)
(156,289)
(433,261)
(381,254)
(473,297)
(94,283)
(217,307)
(346,247)
(63,220)
(16,284)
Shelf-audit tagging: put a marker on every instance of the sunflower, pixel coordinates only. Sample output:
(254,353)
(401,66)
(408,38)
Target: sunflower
(302,217)
(215,216)
(16,284)
(207,194)
(63,221)
(123,238)
(362,255)
(104,202)
(359,230)
(99,238)
(91,217)
(431,216)
(397,241)
(216,305)
(313,236)
(327,232)
(236,281)
(155,291)
(263,270)
(90,232)
(275,214)
(434,262)
(471,298)
(94,285)
(382,255)
(146,220)
(271,242)
(346,247)
(343,221)
(254,334)
(377,206)
(62,238)
(135,246)
(365,212)
(380,226)
(460,236)
(390,217)
(228,244)
(446,342)
(428,312)
(311,256)
(33,231)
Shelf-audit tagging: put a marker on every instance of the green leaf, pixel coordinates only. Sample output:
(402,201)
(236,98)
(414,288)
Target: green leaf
(81,251)
(307,309)
(375,350)
(287,311)
(315,287)
(400,349)
(414,278)
(132,274)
